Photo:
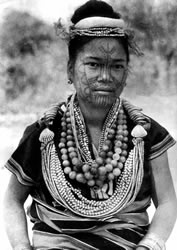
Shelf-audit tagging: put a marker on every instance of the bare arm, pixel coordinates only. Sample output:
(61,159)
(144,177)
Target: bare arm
(14,214)
(164,198)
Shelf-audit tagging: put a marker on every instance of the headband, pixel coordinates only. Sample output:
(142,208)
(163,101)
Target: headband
(98,27)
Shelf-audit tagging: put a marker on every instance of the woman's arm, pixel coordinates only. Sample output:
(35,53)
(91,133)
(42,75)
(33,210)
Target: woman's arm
(164,198)
(14,214)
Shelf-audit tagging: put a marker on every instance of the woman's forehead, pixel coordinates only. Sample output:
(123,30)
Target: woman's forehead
(104,47)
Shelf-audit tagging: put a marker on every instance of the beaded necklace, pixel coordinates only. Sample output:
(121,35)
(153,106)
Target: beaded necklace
(77,160)
(128,181)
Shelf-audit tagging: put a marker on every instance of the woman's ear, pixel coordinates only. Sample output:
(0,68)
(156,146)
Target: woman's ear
(70,70)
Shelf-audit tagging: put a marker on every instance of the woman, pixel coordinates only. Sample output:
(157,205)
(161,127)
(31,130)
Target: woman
(92,164)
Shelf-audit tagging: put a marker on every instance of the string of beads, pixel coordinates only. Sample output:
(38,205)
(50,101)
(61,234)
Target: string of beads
(112,153)
(128,182)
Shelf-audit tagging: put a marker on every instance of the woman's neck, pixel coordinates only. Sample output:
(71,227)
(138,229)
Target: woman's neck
(94,116)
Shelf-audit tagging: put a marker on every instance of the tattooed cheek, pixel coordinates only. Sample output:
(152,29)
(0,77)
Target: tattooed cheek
(87,91)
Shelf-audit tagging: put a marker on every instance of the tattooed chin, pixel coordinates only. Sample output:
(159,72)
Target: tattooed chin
(103,101)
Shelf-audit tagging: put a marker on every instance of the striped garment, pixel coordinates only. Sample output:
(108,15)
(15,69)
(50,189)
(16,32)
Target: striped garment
(56,229)
(55,225)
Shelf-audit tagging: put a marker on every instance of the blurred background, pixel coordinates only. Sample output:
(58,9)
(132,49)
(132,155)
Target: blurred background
(33,69)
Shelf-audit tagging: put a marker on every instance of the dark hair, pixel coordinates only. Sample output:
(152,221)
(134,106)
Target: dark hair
(89,9)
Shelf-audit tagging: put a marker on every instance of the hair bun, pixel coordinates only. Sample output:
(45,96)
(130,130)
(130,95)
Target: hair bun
(94,8)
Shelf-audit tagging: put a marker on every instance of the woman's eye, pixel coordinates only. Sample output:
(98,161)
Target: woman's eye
(118,66)
(93,64)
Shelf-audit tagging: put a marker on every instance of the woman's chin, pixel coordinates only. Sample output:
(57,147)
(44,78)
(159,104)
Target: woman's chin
(103,100)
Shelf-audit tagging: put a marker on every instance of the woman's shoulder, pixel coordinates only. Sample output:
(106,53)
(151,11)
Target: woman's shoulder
(158,138)
(50,118)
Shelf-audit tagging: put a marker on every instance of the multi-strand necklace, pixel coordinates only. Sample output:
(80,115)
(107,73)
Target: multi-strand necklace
(76,157)
(76,162)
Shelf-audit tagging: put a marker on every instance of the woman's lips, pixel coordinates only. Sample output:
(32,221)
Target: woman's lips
(104,90)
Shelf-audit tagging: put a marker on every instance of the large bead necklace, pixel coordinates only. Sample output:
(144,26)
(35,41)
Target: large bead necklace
(76,156)
(128,182)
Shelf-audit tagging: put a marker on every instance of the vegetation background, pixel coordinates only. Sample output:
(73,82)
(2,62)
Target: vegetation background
(33,58)
(33,69)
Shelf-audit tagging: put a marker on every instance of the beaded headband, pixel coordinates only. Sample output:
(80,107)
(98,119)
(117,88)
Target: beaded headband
(98,27)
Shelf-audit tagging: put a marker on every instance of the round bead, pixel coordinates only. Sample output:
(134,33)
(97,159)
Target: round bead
(69,131)
(125,132)
(62,139)
(67,114)
(70,143)
(69,137)
(125,139)
(61,145)
(116,172)
(120,127)
(75,161)
(63,134)
(120,122)
(64,157)
(91,183)
(118,144)
(68,119)
(72,154)
(110,176)
(85,168)
(124,153)
(63,124)
(108,160)
(80,178)
(110,154)
(95,165)
(71,149)
(72,175)
(102,170)
(107,142)
(66,163)
(99,160)
(102,154)
(63,151)
(116,156)
(114,163)
(122,159)
(111,131)
(110,136)
(93,170)
(118,150)
(119,137)
(109,167)
(69,126)
(121,111)
(120,132)
(67,170)
(124,146)
(88,175)
(105,148)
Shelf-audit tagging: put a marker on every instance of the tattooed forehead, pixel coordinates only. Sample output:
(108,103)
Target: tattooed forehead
(104,48)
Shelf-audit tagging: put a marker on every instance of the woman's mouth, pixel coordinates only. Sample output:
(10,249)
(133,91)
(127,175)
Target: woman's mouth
(104,91)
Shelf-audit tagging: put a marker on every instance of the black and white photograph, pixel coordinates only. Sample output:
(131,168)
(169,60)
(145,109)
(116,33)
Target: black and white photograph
(88,124)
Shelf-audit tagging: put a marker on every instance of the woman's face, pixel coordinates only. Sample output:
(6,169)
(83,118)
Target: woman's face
(99,72)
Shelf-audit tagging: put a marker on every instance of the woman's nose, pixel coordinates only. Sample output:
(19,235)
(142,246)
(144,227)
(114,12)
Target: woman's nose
(105,75)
